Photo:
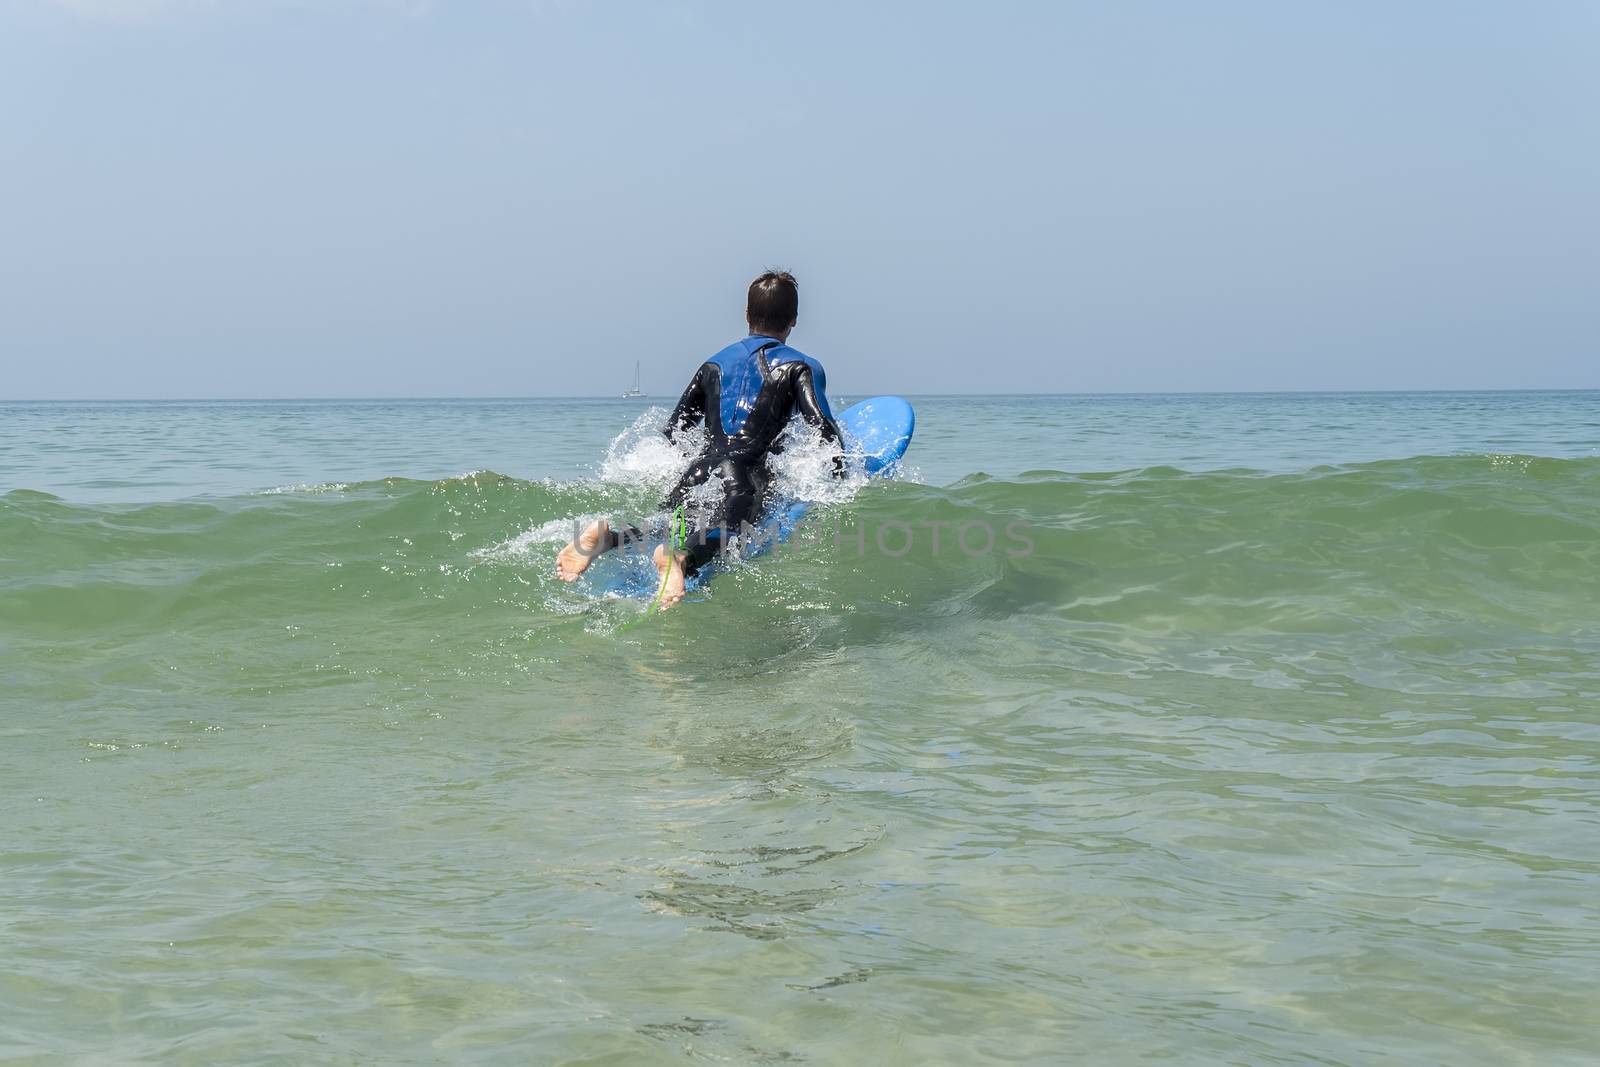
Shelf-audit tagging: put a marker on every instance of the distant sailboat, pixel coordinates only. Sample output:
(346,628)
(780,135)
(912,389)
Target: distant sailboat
(635,391)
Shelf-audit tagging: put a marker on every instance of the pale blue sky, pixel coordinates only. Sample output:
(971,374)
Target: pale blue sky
(390,198)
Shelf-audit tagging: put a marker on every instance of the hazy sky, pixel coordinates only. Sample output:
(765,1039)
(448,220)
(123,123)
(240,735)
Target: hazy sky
(510,197)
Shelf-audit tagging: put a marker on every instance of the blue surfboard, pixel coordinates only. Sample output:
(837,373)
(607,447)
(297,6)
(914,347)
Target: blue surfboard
(876,434)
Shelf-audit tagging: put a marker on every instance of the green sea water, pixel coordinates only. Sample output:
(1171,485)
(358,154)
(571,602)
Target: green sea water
(1266,731)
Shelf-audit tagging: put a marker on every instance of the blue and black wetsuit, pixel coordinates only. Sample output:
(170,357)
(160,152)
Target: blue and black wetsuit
(745,395)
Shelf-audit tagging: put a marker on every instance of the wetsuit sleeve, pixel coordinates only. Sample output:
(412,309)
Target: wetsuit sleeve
(691,405)
(819,384)
(812,404)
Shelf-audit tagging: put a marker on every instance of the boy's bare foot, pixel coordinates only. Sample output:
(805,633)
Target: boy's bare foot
(576,557)
(674,587)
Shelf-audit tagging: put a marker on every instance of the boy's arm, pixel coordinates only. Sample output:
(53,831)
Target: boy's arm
(691,405)
(811,401)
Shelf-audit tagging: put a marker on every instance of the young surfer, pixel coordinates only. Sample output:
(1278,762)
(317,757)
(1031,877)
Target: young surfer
(745,396)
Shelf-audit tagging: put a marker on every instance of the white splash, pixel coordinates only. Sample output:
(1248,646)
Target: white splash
(303,487)
(530,541)
(642,457)
(804,469)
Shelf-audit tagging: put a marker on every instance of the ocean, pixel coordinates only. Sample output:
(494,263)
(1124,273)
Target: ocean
(1212,728)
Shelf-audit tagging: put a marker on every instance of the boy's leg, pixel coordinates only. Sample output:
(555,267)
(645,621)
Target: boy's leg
(708,538)
(744,485)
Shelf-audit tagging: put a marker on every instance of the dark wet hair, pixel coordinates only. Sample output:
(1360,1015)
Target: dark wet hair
(774,302)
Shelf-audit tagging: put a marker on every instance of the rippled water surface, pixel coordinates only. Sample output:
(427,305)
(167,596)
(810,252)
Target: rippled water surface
(1267,731)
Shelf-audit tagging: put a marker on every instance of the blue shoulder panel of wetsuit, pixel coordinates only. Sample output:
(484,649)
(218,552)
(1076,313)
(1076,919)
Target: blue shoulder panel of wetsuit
(740,381)
(784,354)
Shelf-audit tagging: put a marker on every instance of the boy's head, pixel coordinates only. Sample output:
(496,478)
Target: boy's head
(773,304)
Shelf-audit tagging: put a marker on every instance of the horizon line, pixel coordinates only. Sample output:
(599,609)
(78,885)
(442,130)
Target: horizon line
(420,398)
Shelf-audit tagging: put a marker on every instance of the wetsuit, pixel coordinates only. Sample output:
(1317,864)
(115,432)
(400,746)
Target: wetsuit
(745,395)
